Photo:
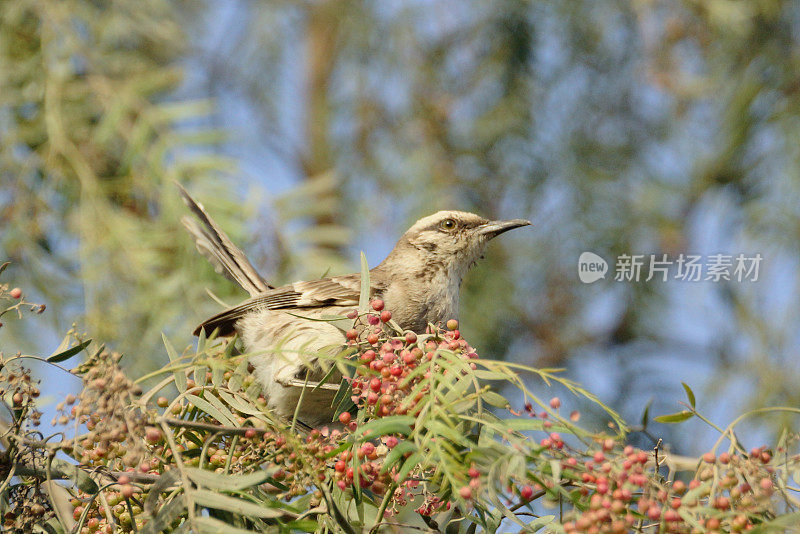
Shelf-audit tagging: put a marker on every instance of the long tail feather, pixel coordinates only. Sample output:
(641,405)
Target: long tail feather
(215,245)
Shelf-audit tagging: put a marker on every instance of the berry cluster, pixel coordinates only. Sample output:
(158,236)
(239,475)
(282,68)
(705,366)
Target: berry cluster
(421,391)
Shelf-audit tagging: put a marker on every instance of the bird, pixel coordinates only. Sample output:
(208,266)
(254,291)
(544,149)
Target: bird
(281,327)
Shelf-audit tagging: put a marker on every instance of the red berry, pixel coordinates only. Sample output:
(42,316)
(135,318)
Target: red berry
(340,466)
(411,337)
(473,473)
(152,435)
(386,316)
(377,304)
(526,493)
(375,384)
(709,457)
(392,442)
(345,417)
(352,334)
(465,492)
(15,293)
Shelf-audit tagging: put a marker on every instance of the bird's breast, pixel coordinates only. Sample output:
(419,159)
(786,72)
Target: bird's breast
(414,304)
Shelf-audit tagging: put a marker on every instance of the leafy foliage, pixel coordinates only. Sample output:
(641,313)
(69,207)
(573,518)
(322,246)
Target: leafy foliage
(420,441)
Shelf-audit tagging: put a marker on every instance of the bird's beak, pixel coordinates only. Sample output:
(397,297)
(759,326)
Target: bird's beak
(495,228)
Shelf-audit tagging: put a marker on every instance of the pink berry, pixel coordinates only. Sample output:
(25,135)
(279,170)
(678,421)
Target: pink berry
(473,473)
(352,334)
(377,305)
(15,293)
(411,337)
(392,442)
(152,435)
(555,403)
(386,316)
(465,492)
(526,493)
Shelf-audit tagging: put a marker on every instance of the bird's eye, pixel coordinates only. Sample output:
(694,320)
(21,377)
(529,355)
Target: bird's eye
(447,224)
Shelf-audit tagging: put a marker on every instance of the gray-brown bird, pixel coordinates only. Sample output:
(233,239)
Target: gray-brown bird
(419,282)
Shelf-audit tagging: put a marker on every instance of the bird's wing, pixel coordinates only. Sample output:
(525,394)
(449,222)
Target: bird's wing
(218,249)
(334,291)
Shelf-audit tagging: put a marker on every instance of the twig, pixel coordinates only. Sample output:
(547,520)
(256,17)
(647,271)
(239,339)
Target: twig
(24,470)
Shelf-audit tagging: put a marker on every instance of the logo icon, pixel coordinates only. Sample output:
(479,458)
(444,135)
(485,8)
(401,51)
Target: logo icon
(591,267)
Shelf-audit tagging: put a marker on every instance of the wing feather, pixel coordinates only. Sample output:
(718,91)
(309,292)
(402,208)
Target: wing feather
(334,291)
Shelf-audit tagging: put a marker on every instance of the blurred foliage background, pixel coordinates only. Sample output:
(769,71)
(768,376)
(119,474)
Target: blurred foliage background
(315,129)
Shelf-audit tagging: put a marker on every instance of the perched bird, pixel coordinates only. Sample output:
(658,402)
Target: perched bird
(419,282)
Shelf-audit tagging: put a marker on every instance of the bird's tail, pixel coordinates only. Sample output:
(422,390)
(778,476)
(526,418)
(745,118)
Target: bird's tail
(212,243)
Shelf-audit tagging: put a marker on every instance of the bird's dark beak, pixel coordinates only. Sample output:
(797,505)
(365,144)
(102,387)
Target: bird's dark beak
(495,228)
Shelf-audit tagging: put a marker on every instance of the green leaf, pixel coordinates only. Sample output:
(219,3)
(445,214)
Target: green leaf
(494,399)
(341,395)
(491,375)
(395,454)
(207,407)
(218,481)
(180,376)
(646,414)
(166,515)
(168,479)
(540,522)
(69,353)
(363,297)
(441,429)
(689,394)
(210,499)
(209,525)
(678,417)
(305,525)
(393,424)
(62,469)
(410,463)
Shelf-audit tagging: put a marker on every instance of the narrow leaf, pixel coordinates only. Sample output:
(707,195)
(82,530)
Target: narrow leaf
(209,525)
(494,399)
(678,417)
(393,424)
(363,298)
(209,499)
(180,376)
(69,353)
(689,394)
(218,481)
(210,410)
(166,515)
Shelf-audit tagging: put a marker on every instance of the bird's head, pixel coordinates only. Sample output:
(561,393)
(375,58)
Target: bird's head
(455,239)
